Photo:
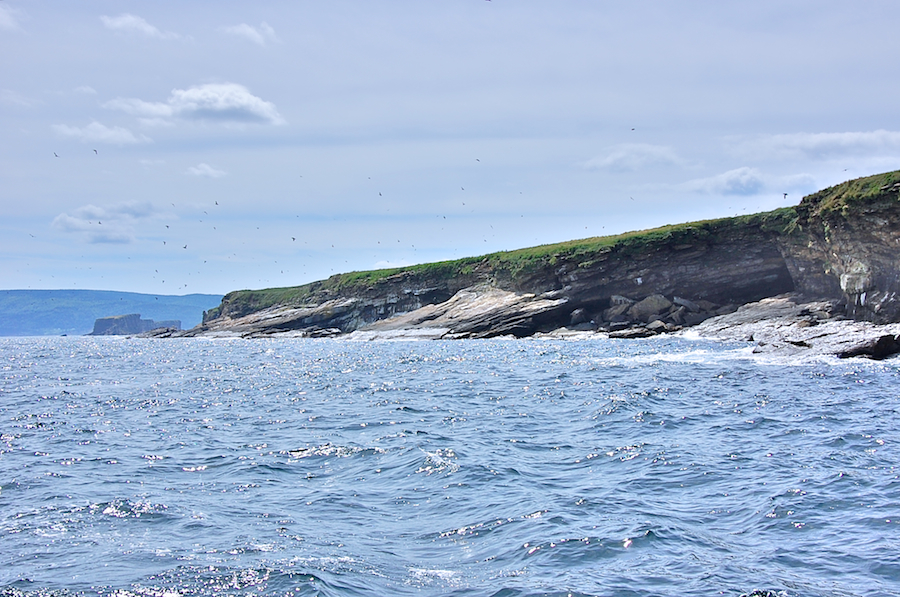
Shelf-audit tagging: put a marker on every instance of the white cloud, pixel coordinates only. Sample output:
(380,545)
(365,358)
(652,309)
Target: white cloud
(821,145)
(111,224)
(740,181)
(221,102)
(632,156)
(8,96)
(129,23)
(100,133)
(259,35)
(205,170)
(8,20)
(86,89)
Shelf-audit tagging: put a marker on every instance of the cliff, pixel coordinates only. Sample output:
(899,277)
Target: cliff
(838,246)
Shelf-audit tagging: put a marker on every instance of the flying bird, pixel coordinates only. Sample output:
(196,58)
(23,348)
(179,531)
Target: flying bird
(95,152)
(785,195)
(54,154)
(185,246)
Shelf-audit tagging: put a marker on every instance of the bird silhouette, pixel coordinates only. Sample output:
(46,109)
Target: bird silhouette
(54,154)
(95,152)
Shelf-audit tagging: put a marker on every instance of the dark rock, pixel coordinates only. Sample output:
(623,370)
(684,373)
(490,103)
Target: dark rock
(676,316)
(649,308)
(876,348)
(689,305)
(695,318)
(637,332)
(657,326)
(617,312)
(579,316)
(707,306)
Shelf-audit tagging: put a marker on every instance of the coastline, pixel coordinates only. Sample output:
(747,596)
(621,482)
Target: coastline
(820,278)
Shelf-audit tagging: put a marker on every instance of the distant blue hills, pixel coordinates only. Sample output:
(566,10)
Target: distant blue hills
(72,312)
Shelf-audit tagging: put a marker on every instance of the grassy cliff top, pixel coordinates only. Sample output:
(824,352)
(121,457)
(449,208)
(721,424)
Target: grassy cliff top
(851,196)
(512,265)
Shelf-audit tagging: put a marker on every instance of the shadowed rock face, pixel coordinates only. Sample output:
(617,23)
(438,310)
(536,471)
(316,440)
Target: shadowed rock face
(840,245)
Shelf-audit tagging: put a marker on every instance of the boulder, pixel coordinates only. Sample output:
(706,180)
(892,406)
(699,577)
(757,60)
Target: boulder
(657,326)
(639,332)
(579,316)
(650,308)
(617,312)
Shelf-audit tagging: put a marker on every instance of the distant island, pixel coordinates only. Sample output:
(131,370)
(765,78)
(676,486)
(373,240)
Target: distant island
(74,312)
(832,258)
(123,325)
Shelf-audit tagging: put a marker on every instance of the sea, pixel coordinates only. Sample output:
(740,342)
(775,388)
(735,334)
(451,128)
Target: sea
(505,468)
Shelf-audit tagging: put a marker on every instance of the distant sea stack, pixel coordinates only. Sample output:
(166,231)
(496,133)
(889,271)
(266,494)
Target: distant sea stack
(839,247)
(121,325)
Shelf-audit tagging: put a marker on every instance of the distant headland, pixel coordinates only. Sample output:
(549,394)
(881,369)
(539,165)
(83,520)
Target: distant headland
(74,312)
(832,258)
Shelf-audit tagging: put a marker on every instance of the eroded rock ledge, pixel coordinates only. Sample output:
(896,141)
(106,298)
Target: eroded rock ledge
(831,261)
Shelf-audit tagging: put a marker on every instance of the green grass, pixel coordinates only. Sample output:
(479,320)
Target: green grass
(847,197)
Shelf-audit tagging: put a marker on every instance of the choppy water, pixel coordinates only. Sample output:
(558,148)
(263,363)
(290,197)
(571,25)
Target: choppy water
(467,468)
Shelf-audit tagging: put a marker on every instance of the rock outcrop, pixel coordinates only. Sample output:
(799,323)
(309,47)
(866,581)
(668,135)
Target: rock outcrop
(123,325)
(838,247)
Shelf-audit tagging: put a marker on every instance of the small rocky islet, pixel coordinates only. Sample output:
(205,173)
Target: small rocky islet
(822,277)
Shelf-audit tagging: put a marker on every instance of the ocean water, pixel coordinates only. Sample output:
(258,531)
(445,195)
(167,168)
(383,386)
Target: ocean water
(512,468)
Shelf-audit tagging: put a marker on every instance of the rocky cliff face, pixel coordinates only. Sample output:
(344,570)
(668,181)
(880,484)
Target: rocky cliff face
(849,246)
(839,245)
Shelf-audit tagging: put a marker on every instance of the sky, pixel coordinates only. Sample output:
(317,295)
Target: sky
(208,146)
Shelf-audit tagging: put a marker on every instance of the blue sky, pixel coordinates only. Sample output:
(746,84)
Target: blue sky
(173,147)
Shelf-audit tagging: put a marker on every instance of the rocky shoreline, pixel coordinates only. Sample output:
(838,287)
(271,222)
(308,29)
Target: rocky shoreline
(820,278)
(788,325)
